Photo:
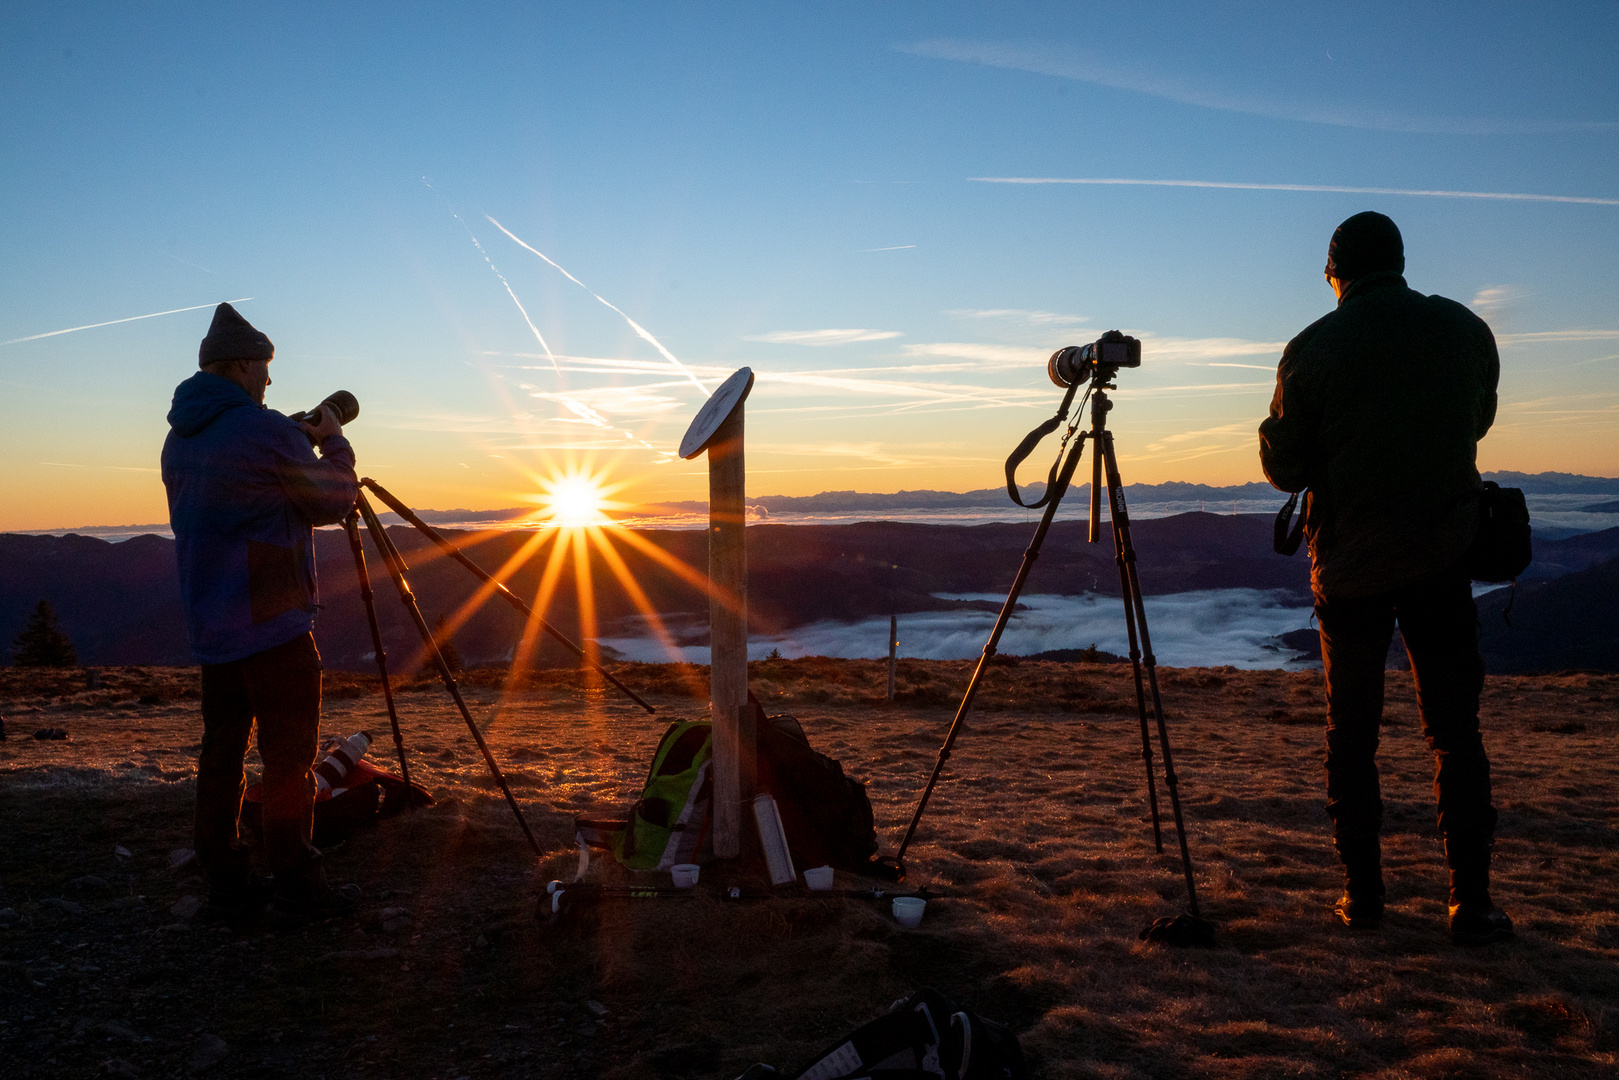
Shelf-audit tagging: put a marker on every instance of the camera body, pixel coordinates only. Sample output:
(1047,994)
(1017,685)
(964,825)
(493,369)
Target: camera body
(1104,356)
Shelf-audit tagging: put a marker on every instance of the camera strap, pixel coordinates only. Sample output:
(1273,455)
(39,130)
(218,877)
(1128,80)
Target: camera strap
(1026,447)
(1283,541)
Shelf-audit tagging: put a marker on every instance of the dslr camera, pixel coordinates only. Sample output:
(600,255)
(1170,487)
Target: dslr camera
(1102,357)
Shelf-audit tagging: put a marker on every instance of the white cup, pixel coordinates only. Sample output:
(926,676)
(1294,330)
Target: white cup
(819,878)
(908,910)
(685,874)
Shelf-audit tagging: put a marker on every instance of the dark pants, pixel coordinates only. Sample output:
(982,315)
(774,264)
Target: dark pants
(278,688)
(1439,620)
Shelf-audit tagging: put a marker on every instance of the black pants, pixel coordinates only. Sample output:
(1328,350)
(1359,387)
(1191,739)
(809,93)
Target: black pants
(279,689)
(1438,618)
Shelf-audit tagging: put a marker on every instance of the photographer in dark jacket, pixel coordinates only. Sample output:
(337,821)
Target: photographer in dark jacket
(245,488)
(1378,410)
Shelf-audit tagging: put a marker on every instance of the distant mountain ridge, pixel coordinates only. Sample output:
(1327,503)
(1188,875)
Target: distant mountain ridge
(845,502)
(120,603)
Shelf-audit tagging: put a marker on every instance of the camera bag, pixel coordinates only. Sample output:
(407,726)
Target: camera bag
(924,1037)
(1501,549)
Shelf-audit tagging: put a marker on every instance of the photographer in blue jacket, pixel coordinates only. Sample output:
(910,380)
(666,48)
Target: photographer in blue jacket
(245,490)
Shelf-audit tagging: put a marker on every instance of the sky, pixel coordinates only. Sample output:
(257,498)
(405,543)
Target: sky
(530,237)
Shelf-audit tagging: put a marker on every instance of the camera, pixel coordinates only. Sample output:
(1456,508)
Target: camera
(1104,356)
(343,403)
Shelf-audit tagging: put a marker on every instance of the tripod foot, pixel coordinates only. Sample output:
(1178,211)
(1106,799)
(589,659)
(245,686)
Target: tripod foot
(1182,930)
(887,868)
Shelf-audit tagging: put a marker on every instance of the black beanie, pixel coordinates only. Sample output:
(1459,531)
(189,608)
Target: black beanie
(231,337)
(1365,244)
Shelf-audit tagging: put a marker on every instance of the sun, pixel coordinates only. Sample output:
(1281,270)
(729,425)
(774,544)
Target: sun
(576,500)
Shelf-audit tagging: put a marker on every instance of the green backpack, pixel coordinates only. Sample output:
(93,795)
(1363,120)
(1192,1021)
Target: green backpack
(669,824)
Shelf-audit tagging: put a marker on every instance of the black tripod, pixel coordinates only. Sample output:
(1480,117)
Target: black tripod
(1135,613)
(396,570)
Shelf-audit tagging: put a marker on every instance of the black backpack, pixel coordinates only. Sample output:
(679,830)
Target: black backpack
(827,816)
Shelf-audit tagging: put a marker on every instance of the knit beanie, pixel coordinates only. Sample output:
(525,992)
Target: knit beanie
(1365,244)
(231,337)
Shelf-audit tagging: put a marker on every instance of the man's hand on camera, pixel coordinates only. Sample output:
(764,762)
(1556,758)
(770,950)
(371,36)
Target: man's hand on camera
(328,426)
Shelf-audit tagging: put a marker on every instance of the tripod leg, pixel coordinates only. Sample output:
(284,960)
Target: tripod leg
(351,526)
(1007,609)
(396,570)
(1141,694)
(1121,531)
(506,594)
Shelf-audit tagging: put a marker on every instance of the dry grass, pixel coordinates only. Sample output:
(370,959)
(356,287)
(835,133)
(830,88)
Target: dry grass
(1038,835)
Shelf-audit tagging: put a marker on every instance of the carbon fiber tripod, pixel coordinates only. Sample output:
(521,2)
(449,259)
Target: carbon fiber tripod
(1104,464)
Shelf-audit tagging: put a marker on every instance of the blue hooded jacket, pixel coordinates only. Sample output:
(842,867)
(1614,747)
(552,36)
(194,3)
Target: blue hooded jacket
(245,489)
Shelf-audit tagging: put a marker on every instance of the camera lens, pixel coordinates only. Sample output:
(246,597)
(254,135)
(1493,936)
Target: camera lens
(1067,366)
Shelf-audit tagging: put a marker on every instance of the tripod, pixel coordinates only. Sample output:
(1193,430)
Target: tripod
(1103,462)
(395,564)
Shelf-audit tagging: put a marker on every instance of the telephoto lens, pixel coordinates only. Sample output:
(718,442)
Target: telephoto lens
(343,403)
(1078,363)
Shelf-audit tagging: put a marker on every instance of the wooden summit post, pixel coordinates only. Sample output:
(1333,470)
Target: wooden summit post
(718,429)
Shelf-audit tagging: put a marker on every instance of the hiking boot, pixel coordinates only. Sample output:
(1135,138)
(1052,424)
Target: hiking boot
(1360,910)
(1474,925)
(1361,905)
(316,904)
(239,897)
(1474,918)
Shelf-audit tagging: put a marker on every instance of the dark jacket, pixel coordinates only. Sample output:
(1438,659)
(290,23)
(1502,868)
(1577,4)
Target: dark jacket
(245,488)
(1378,410)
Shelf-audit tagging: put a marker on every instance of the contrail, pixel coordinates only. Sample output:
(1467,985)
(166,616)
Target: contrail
(1512,196)
(637,327)
(115,322)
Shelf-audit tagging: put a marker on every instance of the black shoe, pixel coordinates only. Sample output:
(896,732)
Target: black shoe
(1360,910)
(1478,924)
(239,897)
(317,904)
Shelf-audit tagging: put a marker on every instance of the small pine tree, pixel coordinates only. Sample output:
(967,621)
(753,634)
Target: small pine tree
(42,643)
(446,647)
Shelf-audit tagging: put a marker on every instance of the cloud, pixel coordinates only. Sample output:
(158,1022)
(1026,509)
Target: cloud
(1510,196)
(823,337)
(990,355)
(1208,628)
(1557,335)
(1493,298)
(1189,350)
(1067,62)
(1155,349)
(1038,318)
(896,247)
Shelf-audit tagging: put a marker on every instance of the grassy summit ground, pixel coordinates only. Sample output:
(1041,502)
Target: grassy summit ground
(1038,836)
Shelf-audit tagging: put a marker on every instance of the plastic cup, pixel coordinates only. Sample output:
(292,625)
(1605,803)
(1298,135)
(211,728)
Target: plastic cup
(819,878)
(685,874)
(908,910)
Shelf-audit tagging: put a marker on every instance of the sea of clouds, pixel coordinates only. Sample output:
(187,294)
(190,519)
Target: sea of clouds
(1208,628)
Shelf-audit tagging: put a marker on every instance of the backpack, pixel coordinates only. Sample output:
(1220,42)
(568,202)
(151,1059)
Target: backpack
(669,824)
(827,816)
(924,1037)
(367,795)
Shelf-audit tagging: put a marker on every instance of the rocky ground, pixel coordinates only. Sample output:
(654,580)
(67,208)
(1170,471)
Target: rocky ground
(1038,841)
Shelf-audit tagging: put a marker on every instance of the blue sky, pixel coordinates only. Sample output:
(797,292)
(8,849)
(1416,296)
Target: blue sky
(744,180)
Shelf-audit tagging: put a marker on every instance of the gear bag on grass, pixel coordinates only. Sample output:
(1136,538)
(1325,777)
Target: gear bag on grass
(367,795)
(669,824)
(826,815)
(924,1037)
